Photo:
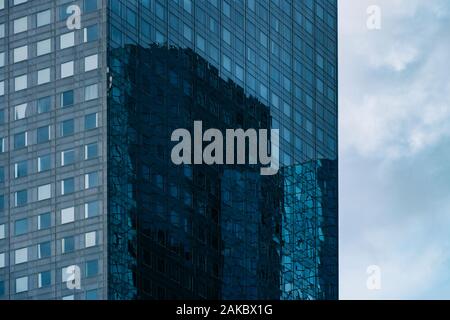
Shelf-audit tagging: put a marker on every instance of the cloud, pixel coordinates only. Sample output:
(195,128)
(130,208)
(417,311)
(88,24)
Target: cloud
(394,137)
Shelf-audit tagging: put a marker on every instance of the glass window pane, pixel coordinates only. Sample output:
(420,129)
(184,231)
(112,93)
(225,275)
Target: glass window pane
(44,250)
(91,268)
(44,104)
(44,221)
(43,134)
(91,92)
(90,121)
(44,279)
(44,163)
(91,33)
(91,209)
(67,127)
(20,227)
(68,244)
(43,18)
(68,186)
(91,151)
(67,98)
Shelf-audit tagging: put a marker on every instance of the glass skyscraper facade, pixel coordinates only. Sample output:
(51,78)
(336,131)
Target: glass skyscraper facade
(86,177)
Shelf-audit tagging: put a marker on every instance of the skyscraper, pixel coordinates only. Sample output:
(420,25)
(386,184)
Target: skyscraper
(87,184)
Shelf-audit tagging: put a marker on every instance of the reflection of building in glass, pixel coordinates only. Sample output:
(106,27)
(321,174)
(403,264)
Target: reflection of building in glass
(310,231)
(194,231)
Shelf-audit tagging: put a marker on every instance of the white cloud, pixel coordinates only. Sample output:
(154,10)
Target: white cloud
(394,137)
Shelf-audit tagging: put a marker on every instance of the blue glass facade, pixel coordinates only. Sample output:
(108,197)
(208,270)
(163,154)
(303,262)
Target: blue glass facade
(228,233)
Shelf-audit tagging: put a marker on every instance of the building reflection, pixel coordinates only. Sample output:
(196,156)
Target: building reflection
(207,232)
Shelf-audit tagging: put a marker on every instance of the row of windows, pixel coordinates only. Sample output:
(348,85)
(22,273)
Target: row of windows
(43,18)
(67,69)
(44,250)
(44,104)
(44,220)
(43,134)
(44,192)
(44,47)
(44,280)
(67,157)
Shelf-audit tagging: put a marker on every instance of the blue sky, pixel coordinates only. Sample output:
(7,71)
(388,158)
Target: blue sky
(395,149)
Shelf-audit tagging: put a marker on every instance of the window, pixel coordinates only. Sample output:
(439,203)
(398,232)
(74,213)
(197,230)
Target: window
(63,14)
(44,192)
(2,231)
(43,134)
(21,169)
(226,36)
(91,180)
(187,5)
(91,92)
(2,31)
(90,239)
(44,250)
(67,99)
(44,221)
(20,140)
(2,88)
(19,111)
(68,244)
(67,215)
(17,2)
(20,227)
(20,198)
(44,163)
(201,44)
(44,279)
(21,256)
(90,63)
(43,18)
(2,261)
(20,25)
(90,151)
(2,59)
(43,76)
(21,284)
(90,5)
(67,40)
(67,186)
(2,4)
(91,294)
(91,268)
(67,69)
(226,9)
(44,105)
(90,33)
(43,47)
(91,209)
(2,144)
(70,297)
(226,63)
(20,82)
(239,72)
(20,54)
(67,127)
(187,32)
(2,175)
(91,121)
(2,288)
(67,157)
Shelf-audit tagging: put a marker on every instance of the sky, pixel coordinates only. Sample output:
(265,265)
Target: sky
(394,123)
